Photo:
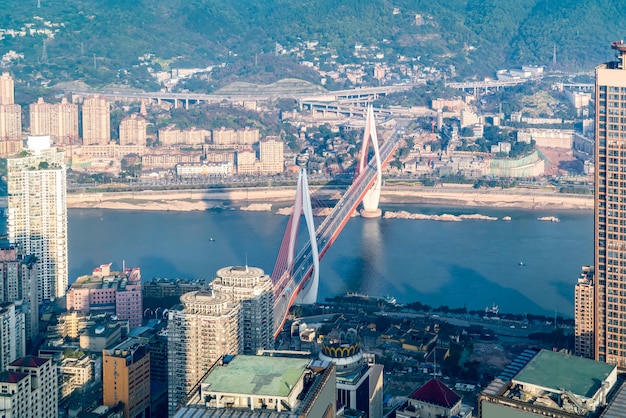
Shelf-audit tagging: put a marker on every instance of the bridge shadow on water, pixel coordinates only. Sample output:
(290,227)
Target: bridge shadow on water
(460,287)
(466,287)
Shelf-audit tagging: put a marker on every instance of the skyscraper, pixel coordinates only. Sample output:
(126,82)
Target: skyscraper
(10,118)
(96,121)
(7,89)
(59,120)
(583,314)
(200,330)
(252,288)
(610,210)
(37,212)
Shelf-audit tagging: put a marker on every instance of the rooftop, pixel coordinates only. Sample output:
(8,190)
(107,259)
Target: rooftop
(559,371)
(29,361)
(11,377)
(262,376)
(437,393)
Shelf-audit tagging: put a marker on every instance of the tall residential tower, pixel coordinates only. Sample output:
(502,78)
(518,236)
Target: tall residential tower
(610,210)
(96,121)
(37,212)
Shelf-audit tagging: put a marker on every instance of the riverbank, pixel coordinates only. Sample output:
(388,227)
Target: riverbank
(265,199)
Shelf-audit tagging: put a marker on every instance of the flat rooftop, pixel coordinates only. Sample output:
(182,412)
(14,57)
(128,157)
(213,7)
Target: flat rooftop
(257,375)
(559,371)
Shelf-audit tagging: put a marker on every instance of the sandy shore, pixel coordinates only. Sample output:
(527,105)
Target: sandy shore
(267,199)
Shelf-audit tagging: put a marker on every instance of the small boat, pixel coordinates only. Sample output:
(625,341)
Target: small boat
(211,239)
(521,264)
(549,219)
(506,218)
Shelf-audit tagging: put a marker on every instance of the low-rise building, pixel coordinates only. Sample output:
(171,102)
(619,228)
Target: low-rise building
(76,374)
(117,293)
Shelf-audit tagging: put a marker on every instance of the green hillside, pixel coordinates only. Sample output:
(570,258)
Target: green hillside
(100,41)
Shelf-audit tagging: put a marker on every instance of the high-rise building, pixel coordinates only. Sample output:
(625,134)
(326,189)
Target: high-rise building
(10,122)
(10,118)
(59,120)
(126,378)
(44,393)
(133,130)
(96,121)
(37,213)
(583,313)
(200,330)
(7,89)
(12,334)
(252,288)
(18,283)
(610,210)
(271,155)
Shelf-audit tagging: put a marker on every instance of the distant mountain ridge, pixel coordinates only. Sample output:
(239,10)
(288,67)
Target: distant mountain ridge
(476,36)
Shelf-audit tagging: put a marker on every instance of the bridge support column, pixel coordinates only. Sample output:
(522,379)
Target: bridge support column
(372,197)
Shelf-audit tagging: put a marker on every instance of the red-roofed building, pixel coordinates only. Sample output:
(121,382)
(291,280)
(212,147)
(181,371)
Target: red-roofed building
(40,389)
(15,400)
(433,399)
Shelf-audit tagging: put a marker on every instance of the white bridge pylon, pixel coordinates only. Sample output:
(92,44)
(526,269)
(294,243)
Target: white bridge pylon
(372,197)
(308,294)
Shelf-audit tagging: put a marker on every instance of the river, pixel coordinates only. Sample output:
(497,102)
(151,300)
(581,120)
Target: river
(522,265)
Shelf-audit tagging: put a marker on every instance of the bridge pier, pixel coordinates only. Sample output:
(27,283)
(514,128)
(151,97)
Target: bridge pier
(372,197)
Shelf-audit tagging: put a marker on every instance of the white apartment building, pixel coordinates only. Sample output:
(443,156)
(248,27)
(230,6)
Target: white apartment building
(12,335)
(253,289)
(200,330)
(37,212)
(36,395)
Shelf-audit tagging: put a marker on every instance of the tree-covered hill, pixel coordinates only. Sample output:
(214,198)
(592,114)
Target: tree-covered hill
(100,41)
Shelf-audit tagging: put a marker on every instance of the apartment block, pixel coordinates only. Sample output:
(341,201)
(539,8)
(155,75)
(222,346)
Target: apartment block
(18,283)
(96,121)
(41,392)
(253,289)
(37,212)
(224,136)
(59,120)
(584,313)
(10,122)
(271,155)
(7,89)
(204,327)
(610,210)
(12,334)
(133,130)
(126,378)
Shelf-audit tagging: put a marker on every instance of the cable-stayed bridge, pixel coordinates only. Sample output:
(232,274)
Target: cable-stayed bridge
(296,275)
